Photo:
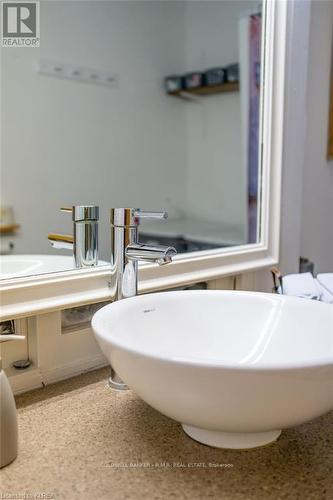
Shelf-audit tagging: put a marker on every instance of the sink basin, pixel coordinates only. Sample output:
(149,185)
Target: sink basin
(233,367)
(14,266)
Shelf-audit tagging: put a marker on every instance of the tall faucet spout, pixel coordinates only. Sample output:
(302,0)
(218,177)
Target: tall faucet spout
(126,252)
(160,254)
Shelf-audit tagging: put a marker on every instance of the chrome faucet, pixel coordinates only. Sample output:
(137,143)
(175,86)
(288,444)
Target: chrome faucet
(126,251)
(84,242)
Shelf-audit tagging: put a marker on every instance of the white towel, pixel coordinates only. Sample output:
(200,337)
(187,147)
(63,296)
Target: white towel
(326,280)
(301,285)
(326,296)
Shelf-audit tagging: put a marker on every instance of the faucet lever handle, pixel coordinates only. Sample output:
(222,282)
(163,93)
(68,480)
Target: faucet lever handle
(151,215)
(131,217)
(66,209)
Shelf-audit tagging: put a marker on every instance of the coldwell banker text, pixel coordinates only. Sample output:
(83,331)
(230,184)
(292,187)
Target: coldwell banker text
(20,24)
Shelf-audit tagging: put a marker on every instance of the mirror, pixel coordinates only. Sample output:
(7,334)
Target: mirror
(144,104)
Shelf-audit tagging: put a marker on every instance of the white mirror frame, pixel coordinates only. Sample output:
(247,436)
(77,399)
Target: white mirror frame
(38,294)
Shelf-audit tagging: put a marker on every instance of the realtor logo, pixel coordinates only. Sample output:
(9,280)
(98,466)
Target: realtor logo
(19,24)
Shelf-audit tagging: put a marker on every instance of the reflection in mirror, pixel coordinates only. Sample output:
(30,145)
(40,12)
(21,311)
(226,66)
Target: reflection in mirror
(132,103)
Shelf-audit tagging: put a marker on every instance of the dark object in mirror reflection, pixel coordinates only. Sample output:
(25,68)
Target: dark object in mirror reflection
(173,83)
(215,76)
(193,80)
(232,73)
(181,244)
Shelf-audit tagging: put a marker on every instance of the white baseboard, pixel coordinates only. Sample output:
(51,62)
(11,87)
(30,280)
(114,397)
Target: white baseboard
(34,378)
(57,373)
(24,380)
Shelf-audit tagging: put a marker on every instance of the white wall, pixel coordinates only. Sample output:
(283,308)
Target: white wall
(66,142)
(214,123)
(294,136)
(317,213)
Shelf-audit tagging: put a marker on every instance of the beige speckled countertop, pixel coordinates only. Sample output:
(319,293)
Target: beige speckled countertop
(78,440)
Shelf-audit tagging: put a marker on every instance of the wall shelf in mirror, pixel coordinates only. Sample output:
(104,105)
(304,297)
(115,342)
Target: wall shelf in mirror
(9,228)
(204,91)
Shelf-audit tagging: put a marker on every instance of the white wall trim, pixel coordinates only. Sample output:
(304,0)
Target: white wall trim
(29,296)
(72,369)
(34,378)
(25,380)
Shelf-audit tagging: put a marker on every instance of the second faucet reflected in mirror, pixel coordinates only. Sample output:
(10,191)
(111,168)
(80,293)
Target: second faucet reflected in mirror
(84,242)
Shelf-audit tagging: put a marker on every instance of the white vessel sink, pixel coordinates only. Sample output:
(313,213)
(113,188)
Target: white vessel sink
(233,367)
(14,266)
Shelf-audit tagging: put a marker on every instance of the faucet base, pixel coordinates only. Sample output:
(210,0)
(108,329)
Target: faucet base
(115,382)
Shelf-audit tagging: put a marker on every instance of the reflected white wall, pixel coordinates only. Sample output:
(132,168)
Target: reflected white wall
(66,142)
(214,130)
